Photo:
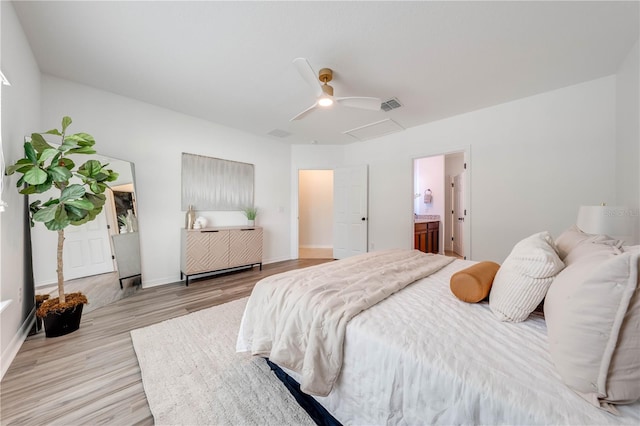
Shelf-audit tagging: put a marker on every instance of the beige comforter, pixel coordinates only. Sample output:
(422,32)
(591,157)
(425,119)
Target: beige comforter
(298,319)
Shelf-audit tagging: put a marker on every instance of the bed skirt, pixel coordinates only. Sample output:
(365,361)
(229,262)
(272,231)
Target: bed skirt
(316,411)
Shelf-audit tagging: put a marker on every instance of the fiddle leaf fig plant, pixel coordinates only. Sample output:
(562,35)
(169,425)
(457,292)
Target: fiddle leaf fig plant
(79,190)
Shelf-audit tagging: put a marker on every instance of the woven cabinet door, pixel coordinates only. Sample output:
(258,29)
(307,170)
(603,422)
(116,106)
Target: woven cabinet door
(206,251)
(245,246)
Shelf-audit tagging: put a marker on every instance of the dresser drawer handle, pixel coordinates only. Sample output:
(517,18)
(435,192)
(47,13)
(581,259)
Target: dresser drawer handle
(215,230)
(248,229)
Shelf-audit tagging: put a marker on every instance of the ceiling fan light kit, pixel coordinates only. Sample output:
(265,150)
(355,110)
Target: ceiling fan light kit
(325,101)
(324,92)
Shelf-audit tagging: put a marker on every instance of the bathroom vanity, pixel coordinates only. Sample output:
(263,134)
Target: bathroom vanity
(427,233)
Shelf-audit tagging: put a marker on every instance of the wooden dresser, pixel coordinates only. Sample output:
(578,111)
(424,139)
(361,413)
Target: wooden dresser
(215,249)
(427,236)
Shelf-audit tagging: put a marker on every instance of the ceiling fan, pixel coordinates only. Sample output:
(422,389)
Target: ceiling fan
(324,92)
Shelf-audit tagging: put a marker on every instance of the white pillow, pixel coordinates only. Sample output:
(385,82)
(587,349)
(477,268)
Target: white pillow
(524,278)
(592,312)
(573,237)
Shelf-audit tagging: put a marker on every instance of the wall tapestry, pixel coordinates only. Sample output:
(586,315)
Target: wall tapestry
(210,184)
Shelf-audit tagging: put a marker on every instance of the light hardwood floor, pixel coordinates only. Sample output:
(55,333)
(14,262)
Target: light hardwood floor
(101,289)
(452,254)
(92,376)
(315,253)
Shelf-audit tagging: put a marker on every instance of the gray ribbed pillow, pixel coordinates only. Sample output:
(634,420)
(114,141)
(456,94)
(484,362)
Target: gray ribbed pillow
(573,237)
(524,278)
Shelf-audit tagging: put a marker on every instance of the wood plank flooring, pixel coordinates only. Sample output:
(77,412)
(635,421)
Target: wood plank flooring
(92,376)
(452,254)
(101,289)
(315,253)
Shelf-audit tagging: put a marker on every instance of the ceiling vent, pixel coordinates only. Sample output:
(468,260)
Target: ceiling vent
(279,133)
(392,103)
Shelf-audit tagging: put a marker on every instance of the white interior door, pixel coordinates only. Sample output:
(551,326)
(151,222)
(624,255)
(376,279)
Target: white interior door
(458,214)
(350,204)
(87,249)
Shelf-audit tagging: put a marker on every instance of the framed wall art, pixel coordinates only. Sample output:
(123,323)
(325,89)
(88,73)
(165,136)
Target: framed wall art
(214,184)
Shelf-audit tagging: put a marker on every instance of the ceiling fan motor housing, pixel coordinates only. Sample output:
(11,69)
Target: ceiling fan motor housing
(325,75)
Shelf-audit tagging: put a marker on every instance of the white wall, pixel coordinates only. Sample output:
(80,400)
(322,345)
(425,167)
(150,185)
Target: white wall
(454,164)
(532,163)
(20,116)
(315,211)
(628,136)
(153,138)
(429,174)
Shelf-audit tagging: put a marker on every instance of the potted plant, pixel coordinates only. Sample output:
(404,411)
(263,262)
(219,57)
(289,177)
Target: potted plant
(80,197)
(250,213)
(40,298)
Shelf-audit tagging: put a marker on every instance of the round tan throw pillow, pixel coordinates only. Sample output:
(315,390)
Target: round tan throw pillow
(473,284)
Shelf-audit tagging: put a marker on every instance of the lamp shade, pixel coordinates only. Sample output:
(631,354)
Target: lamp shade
(614,221)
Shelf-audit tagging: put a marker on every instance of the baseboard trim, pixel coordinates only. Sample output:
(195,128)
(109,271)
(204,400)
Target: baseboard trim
(176,279)
(277,259)
(16,343)
(160,281)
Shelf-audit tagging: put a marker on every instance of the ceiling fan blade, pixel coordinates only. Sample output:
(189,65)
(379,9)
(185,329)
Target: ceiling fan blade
(305,112)
(372,104)
(308,74)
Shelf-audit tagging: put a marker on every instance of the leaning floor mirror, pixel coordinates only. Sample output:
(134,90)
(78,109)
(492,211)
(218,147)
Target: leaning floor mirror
(101,258)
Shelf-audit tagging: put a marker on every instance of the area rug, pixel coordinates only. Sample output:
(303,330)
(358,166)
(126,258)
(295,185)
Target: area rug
(192,374)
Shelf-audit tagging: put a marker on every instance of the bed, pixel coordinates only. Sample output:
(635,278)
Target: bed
(422,356)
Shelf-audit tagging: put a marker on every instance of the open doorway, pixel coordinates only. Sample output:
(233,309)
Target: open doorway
(438,207)
(315,214)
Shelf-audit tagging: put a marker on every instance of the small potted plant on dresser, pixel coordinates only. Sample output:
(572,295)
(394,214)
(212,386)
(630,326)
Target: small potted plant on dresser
(80,197)
(251,213)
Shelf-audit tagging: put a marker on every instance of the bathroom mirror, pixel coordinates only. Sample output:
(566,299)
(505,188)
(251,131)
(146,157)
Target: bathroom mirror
(101,258)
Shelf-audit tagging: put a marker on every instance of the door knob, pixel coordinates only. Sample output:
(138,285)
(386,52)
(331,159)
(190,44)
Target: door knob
(363,218)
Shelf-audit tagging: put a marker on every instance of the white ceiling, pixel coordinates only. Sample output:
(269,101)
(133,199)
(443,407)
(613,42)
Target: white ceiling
(231,62)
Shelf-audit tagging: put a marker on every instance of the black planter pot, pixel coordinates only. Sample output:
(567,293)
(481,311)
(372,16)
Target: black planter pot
(38,319)
(37,326)
(60,323)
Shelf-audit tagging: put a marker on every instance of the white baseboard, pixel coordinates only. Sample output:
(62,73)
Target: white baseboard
(14,346)
(160,281)
(277,259)
(5,304)
(175,279)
